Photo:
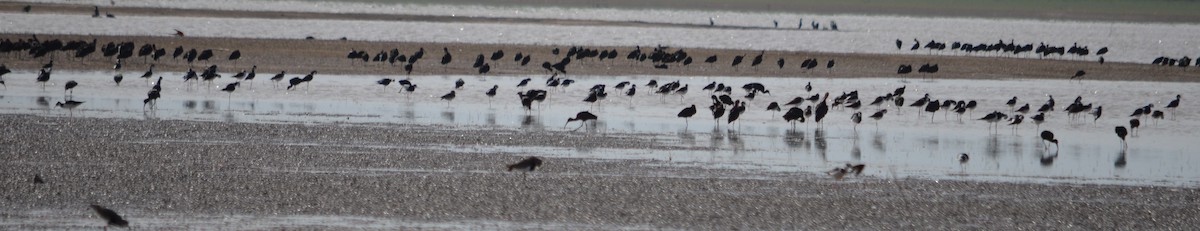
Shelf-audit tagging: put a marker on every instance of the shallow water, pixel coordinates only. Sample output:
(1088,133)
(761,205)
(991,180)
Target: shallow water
(903,144)
(1128,42)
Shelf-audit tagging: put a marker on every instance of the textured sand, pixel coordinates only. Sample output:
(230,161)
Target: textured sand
(329,56)
(163,174)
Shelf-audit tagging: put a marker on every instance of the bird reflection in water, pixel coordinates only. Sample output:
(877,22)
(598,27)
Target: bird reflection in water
(210,105)
(189,104)
(687,137)
(856,152)
(491,118)
(448,116)
(410,115)
(878,143)
(794,138)
(1120,163)
(530,121)
(993,146)
(1047,158)
(819,140)
(715,137)
(735,141)
(43,101)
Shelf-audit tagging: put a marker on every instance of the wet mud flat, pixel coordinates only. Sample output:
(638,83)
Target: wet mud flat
(186,174)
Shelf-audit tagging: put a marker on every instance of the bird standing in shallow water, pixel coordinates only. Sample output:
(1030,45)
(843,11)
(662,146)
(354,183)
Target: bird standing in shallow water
(448,97)
(583,117)
(1049,136)
(1133,125)
(687,113)
(70,86)
(1171,105)
(1121,132)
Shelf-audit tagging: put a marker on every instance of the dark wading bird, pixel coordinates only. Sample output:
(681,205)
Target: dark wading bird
(1171,105)
(527,165)
(448,97)
(1049,136)
(1078,75)
(583,117)
(110,216)
(230,88)
(1133,125)
(687,113)
(1121,132)
(70,86)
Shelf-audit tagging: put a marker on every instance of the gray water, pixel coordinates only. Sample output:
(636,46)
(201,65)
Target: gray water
(903,144)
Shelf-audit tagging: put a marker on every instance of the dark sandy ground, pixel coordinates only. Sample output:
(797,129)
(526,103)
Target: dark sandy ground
(181,171)
(298,56)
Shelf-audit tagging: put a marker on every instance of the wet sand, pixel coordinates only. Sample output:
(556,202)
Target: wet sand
(161,174)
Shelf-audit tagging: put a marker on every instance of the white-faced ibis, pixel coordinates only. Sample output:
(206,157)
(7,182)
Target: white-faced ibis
(583,117)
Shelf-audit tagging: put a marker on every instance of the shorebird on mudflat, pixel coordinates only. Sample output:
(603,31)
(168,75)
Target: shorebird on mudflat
(110,216)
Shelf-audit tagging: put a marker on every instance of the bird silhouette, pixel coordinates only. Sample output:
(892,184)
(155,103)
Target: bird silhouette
(110,217)
(878,115)
(757,59)
(43,77)
(1049,136)
(528,164)
(734,113)
(229,88)
(448,97)
(385,82)
(235,55)
(687,113)
(856,118)
(524,82)
(822,109)
(1171,105)
(70,86)
(583,117)
(1121,132)
(1078,75)
(1133,125)
(151,97)
(446,58)
(492,92)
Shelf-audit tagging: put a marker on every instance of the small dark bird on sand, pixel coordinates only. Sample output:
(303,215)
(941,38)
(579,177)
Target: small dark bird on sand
(528,164)
(110,216)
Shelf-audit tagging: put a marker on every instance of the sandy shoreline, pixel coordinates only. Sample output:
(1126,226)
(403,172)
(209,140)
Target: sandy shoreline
(297,56)
(185,171)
